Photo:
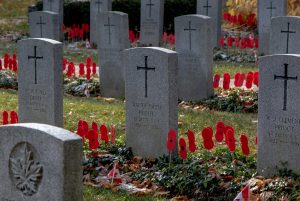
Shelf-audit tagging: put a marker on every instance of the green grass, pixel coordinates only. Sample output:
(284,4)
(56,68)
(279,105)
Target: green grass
(98,194)
(13,15)
(221,67)
(80,55)
(100,111)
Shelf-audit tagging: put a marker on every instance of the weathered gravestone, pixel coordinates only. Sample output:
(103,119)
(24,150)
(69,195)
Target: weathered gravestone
(151,99)
(113,39)
(213,9)
(40,162)
(96,7)
(285,35)
(195,57)
(44,24)
(279,114)
(40,81)
(267,9)
(152,20)
(56,6)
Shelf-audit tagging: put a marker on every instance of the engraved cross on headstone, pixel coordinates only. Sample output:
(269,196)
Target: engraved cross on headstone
(207,7)
(109,25)
(50,2)
(98,3)
(288,32)
(150,4)
(146,69)
(271,8)
(35,57)
(41,23)
(190,33)
(285,78)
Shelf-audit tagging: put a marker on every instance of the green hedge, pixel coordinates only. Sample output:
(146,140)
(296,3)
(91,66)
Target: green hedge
(78,12)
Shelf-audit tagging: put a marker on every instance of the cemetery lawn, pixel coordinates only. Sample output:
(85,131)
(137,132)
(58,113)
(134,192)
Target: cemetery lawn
(99,194)
(13,16)
(78,53)
(112,112)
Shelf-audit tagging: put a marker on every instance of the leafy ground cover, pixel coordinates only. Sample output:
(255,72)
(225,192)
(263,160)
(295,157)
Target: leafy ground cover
(112,113)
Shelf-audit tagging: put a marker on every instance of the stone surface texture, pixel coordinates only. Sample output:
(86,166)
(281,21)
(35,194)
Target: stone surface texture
(40,81)
(40,162)
(278,114)
(151,99)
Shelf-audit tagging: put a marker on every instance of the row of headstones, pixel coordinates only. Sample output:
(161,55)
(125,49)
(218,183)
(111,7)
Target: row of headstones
(151,104)
(278,34)
(152,13)
(278,114)
(42,162)
(193,44)
(48,23)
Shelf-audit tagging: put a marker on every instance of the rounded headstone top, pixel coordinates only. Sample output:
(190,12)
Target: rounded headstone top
(54,42)
(168,51)
(194,15)
(44,12)
(56,132)
(280,55)
(115,12)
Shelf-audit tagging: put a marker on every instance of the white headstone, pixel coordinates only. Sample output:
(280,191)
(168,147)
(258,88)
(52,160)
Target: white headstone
(40,81)
(285,35)
(151,99)
(267,9)
(96,7)
(152,20)
(113,39)
(44,24)
(213,9)
(56,6)
(278,114)
(195,57)
(40,162)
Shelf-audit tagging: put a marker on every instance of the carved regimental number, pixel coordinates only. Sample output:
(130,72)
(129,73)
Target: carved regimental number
(24,168)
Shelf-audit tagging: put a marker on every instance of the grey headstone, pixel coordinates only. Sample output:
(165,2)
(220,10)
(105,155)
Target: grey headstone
(285,35)
(96,7)
(152,20)
(195,57)
(40,81)
(40,162)
(56,6)
(151,99)
(267,9)
(213,9)
(278,114)
(113,39)
(44,24)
